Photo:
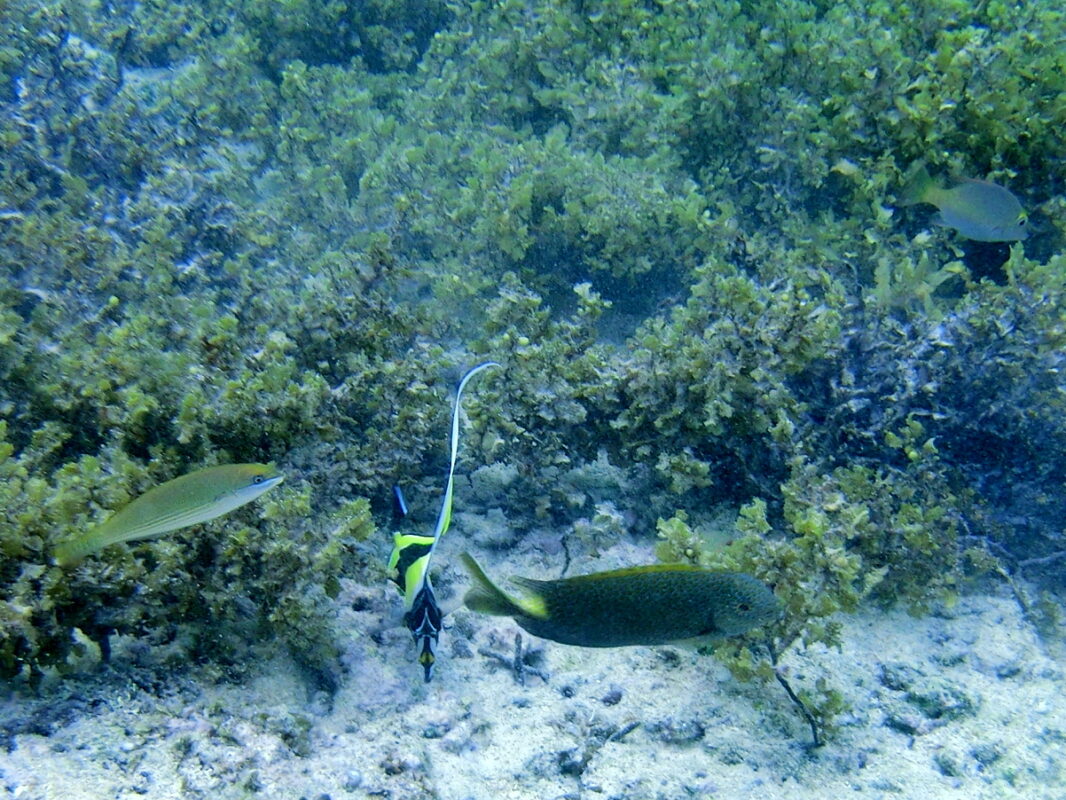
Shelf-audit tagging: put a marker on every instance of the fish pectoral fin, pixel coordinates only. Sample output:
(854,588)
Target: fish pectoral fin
(701,642)
(691,645)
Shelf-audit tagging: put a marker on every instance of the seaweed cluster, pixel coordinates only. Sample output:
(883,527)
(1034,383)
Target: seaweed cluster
(276,231)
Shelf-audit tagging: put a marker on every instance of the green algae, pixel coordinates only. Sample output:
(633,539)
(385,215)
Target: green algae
(674,224)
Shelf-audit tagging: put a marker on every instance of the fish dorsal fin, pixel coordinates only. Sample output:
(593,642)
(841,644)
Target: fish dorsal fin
(444,519)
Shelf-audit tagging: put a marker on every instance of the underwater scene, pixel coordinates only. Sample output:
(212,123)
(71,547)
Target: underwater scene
(549,399)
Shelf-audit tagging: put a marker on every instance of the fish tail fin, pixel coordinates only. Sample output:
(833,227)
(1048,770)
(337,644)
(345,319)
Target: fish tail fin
(485,596)
(530,585)
(71,552)
(916,185)
(66,554)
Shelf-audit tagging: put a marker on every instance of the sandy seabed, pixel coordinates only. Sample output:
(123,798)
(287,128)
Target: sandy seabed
(968,703)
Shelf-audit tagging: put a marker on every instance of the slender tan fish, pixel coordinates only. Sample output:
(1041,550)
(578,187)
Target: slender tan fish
(197,497)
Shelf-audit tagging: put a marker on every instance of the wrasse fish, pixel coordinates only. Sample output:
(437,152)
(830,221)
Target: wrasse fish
(635,606)
(411,554)
(978,210)
(190,499)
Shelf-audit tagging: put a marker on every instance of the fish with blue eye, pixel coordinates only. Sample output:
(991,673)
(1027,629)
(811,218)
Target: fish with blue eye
(978,210)
(412,552)
(187,500)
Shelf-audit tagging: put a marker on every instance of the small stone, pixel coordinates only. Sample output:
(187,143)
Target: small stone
(731,755)
(987,754)
(456,741)
(886,785)
(673,731)
(613,697)
(947,765)
(898,677)
(435,723)
(490,531)
(398,763)
(908,722)
(321,704)
(1008,670)
(434,731)
(574,762)
(941,699)
(352,781)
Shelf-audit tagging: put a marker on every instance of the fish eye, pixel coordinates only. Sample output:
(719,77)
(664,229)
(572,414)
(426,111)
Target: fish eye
(258,479)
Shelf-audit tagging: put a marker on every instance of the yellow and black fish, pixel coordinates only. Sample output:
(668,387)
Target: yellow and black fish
(635,606)
(411,554)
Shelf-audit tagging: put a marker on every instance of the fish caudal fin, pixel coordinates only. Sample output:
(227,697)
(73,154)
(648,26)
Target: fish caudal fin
(916,186)
(484,596)
(69,553)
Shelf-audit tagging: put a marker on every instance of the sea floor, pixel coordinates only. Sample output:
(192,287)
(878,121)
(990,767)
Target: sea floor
(967,703)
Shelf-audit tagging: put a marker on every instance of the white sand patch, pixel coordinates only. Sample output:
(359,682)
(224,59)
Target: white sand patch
(964,705)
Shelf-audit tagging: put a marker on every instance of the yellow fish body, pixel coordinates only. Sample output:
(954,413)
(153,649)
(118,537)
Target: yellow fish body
(197,497)
(635,606)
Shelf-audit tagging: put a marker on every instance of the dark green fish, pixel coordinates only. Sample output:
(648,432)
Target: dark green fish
(635,606)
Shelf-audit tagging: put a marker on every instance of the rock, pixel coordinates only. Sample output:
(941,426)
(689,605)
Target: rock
(938,698)
(732,755)
(352,781)
(397,763)
(573,762)
(456,740)
(898,677)
(1008,669)
(672,731)
(489,531)
(987,754)
(947,765)
(886,785)
(435,723)
(906,720)
(461,649)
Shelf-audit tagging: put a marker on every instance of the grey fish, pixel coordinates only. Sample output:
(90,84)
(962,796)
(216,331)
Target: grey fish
(978,210)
